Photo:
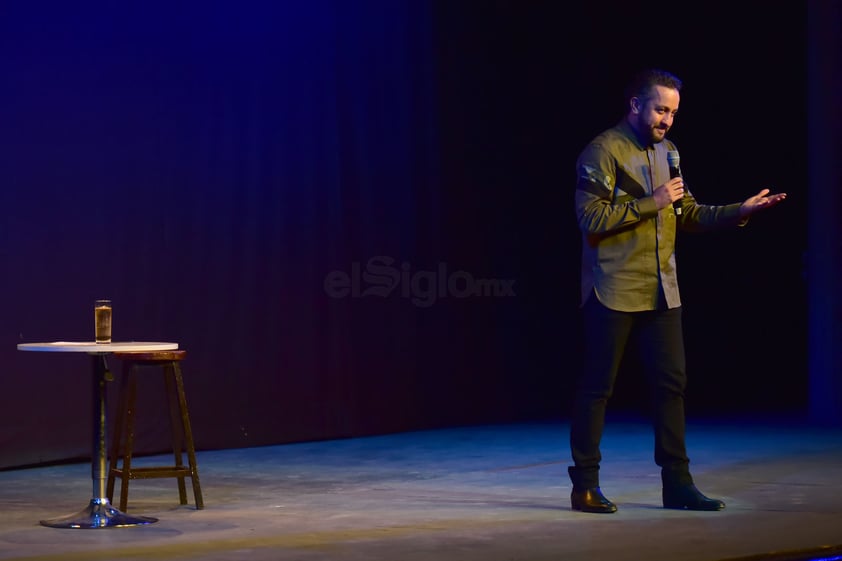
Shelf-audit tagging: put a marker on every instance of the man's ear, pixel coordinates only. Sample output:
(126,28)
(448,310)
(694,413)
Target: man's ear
(635,104)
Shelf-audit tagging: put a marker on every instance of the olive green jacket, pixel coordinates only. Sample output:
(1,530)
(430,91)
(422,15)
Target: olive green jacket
(628,245)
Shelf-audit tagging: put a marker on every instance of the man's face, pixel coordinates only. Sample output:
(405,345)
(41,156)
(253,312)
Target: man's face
(653,117)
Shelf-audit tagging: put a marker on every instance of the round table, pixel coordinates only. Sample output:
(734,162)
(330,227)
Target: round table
(99,513)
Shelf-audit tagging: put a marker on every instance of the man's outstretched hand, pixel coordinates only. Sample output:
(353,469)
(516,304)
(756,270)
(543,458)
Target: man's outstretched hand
(760,201)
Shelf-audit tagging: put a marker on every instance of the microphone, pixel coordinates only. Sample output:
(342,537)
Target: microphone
(675,171)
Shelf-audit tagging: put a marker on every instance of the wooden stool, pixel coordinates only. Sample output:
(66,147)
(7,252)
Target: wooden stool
(169,362)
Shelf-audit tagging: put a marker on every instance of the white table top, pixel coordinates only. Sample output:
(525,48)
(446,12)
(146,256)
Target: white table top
(93,347)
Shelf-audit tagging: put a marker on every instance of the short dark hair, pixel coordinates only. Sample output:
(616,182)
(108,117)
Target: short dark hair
(643,82)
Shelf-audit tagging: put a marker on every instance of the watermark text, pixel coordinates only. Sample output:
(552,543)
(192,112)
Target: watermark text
(383,277)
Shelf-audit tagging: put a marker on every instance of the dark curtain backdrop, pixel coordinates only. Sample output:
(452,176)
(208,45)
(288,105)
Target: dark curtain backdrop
(356,216)
(825,176)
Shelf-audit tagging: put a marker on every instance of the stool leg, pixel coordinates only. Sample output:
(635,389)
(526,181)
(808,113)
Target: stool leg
(175,428)
(130,424)
(122,405)
(188,437)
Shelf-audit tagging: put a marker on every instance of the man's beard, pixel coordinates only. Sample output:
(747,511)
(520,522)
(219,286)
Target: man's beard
(653,135)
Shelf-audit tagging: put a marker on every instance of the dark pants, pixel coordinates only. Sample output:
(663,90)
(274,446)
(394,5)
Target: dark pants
(658,338)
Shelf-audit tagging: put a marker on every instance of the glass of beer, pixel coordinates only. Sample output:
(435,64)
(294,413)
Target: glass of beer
(102,321)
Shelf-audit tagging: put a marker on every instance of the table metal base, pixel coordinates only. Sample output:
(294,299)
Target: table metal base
(98,514)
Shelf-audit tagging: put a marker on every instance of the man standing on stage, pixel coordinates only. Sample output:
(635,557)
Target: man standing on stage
(630,201)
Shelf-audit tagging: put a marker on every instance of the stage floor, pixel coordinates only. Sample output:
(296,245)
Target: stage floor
(490,493)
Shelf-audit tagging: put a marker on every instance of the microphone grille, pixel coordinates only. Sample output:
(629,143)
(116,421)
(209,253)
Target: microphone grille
(672,158)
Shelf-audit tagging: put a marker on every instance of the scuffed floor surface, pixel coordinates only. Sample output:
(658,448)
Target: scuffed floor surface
(490,493)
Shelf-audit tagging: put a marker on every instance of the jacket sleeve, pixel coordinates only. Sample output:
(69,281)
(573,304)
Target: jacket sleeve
(697,217)
(602,207)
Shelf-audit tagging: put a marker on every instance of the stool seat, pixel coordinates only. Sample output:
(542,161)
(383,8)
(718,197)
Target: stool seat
(151,356)
(168,362)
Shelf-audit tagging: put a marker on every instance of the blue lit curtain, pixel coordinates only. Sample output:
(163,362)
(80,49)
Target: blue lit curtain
(206,166)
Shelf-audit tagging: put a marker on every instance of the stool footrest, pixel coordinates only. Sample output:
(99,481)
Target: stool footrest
(154,471)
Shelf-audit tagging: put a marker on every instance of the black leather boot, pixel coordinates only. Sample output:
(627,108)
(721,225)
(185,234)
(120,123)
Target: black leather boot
(680,492)
(591,500)
(687,497)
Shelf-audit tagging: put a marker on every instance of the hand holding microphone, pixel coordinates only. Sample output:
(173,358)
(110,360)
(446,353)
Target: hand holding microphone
(672,191)
(675,171)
